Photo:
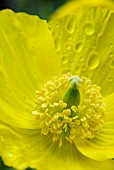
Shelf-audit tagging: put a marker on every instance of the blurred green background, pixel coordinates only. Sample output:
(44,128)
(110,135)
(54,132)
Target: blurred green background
(42,8)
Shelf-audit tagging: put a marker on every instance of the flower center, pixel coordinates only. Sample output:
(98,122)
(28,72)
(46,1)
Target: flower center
(69,108)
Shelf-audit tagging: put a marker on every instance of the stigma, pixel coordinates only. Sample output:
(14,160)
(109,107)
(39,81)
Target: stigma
(69,108)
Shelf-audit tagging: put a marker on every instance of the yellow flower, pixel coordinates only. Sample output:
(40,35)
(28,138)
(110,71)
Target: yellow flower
(56,91)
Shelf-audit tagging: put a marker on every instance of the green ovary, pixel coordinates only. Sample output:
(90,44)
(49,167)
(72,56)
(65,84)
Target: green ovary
(69,108)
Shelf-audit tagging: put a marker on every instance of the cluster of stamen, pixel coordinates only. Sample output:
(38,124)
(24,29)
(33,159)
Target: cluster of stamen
(74,122)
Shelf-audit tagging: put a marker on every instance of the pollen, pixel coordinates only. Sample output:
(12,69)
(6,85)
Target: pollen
(69,107)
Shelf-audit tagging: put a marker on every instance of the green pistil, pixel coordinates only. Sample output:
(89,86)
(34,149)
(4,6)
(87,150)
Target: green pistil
(72,96)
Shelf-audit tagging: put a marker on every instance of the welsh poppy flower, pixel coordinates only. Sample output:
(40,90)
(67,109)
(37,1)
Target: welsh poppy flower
(56,90)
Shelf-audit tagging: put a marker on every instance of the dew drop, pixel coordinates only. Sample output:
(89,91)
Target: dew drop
(68,47)
(13,156)
(79,47)
(89,29)
(58,44)
(111,45)
(93,61)
(22,166)
(111,55)
(64,60)
(16,23)
(65,71)
(77,70)
(9,156)
(112,64)
(110,79)
(57,26)
(81,59)
(71,25)
(69,38)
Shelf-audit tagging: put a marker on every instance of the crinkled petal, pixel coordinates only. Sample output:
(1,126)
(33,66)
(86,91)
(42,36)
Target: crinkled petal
(72,6)
(22,148)
(27,59)
(85,45)
(102,146)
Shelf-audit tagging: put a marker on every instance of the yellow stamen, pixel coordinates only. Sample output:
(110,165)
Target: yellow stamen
(64,120)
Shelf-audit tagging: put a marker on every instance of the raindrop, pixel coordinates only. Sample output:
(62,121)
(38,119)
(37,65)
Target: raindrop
(16,23)
(111,45)
(69,38)
(57,26)
(65,71)
(22,166)
(58,44)
(15,157)
(9,156)
(65,60)
(68,47)
(93,61)
(79,47)
(81,59)
(111,55)
(71,25)
(89,29)
(110,79)
(112,63)
(77,70)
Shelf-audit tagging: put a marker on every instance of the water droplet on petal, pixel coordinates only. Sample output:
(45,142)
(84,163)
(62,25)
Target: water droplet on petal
(13,156)
(71,25)
(58,44)
(112,64)
(57,26)
(110,79)
(79,47)
(66,71)
(93,61)
(69,38)
(68,47)
(77,69)
(89,29)
(111,55)
(65,60)
(111,45)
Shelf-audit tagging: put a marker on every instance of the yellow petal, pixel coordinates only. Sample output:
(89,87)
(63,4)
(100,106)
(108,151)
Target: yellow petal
(22,148)
(102,146)
(72,6)
(26,54)
(85,45)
